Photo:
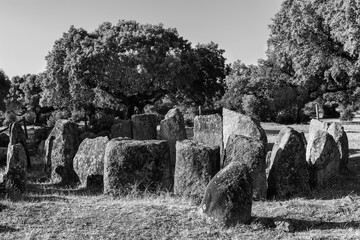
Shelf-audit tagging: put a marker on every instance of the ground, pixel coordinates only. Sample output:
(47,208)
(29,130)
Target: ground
(50,212)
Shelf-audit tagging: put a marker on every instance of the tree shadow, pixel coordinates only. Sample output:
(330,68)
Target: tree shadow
(300,225)
(58,189)
(4,229)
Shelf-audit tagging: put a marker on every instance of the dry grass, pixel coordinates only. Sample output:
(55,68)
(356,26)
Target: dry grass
(50,212)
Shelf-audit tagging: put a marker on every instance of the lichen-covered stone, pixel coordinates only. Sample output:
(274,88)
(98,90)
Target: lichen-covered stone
(172,129)
(228,196)
(15,174)
(144,126)
(17,135)
(196,164)
(288,171)
(239,124)
(60,149)
(208,129)
(252,153)
(314,126)
(16,156)
(89,159)
(4,140)
(121,129)
(341,139)
(324,158)
(130,162)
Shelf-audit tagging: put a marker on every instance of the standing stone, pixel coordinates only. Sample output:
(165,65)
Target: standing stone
(239,124)
(324,158)
(17,135)
(341,139)
(228,196)
(121,129)
(314,126)
(89,159)
(172,129)
(131,162)
(15,176)
(3,156)
(144,126)
(196,164)
(288,171)
(60,149)
(208,129)
(4,140)
(252,153)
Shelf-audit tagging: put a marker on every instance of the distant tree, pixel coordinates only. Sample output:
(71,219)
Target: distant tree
(4,89)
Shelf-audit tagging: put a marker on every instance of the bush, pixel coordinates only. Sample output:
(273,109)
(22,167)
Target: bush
(9,118)
(57,115)
(330,111)
(250,104)
(347,114)
(30,117)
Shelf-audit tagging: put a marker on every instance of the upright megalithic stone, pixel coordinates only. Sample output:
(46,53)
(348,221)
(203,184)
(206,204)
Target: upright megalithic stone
(144,126)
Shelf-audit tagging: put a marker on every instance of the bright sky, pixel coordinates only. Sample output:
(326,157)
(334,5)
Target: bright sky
(29,28)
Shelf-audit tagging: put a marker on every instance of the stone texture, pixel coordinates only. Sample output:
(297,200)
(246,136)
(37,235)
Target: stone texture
(85,135)
(314,126)
(16,156)
(208,129)
(4,140)
(89,159)
(144,126)
(17,135)
(121,129)
(196,164)
(60,149)
(341,139)
(324,158)
(172,129)
(129,162)
(252,153)
(228,196)
(288,171)
(239,124)
(3,156)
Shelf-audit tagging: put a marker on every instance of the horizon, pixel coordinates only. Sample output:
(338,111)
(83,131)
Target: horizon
(31,27)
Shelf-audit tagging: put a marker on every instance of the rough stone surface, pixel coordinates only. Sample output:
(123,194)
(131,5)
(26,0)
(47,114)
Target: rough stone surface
(85,135)
(341,139)
(15,176)
(324,158)
(144,126)
(288,171)
(208,129)
(252,153)
(314,126)
(89,159)
(4,140)
(228,196)
(60,149)
(121,129)
(17,135)
(16,156)
(196,164)
(130,162)
(239,124)
(172,129)
(3,156)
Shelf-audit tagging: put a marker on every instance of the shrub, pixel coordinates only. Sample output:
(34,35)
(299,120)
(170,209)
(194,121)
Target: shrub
(56,115)
(250,104)
(347,114)
(9,118)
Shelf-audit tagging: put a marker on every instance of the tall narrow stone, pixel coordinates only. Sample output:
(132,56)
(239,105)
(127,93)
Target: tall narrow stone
(338,133)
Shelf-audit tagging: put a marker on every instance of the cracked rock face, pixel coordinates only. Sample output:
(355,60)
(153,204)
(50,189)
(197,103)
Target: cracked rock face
(228,196)
(341,140)
(288,171)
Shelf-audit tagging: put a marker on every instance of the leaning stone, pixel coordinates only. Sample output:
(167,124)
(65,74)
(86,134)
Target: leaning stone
(341,139)
(196,164)
(252,153)
(4,140)
(89,159)
(239,124)
(172,129)
(17,135)
(121,129)
(133,162)
(324,158)
(208,129)
(228,196)
(314,126)
(144,126)
(288,171)
(60,149)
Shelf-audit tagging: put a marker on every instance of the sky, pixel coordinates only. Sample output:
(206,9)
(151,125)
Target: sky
(29,28)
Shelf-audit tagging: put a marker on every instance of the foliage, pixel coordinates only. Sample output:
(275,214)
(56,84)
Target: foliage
(57,115)
(4,89)
(347,114)
(9,118)
(250,105)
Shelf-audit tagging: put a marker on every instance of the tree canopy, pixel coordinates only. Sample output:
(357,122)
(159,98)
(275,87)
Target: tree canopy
(4,89)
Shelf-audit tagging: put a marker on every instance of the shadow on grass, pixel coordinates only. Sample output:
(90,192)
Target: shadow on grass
(49,189)
(305,225)
(7,229)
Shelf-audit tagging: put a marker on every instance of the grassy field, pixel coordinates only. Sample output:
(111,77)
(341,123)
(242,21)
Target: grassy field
(50,212)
